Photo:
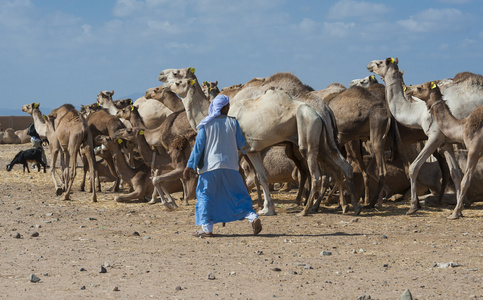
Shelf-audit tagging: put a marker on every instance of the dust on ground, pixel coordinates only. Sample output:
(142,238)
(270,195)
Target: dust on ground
(147,251)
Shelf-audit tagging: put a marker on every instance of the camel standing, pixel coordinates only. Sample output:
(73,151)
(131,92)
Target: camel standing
(414,115)
(42,129)
(468,131)
(286,120)
(71,131)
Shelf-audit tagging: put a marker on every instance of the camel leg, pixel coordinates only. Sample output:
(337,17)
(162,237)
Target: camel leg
(324,185)
(431,145)
(256,160)
(292,152)
(171,175)
(155,191)
(472,161)
(137,194)
(454,169)
(58,189)
(353,149)
(316,182)
(90,157)
(259,192)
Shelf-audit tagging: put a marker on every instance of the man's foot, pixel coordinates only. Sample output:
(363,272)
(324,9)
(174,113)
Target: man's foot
(202,234)
(257,226)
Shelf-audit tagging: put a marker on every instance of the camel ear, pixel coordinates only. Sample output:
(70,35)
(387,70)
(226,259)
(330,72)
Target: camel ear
(432,85)
(205,83)
(132,108)
(191,70)
(372,77)
(141,132)
(36,105)
(112,92)
(192,81)
(130,101)
(404,88)
(216,82)
(44,117)
(390,60)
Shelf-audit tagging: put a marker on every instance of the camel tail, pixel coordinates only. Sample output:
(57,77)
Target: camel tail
(395,138)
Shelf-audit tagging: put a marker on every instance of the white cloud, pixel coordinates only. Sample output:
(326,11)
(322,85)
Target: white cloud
(435,20)
(346,9)
(338,29)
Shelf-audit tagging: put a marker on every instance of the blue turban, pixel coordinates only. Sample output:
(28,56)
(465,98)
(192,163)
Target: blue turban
(214,110)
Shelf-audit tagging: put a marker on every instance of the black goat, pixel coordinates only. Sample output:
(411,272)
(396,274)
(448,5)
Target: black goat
(33,155)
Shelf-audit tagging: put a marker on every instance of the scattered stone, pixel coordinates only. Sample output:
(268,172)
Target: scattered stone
(233,273)
(293,272)
(16,235)
(34,234)
(107,264)
(34,278)
(178,288)
(147,237)
(211,276)
(364,297)
(91,219)
(116,289)
(300,264)
(103,270)
(447,265)
(135,233)
(325,253)
(406,295)
(384,237)
(308,267)
(276,269)
(362,250)
(259,252)
(49,214)
(385,265)
(83,287)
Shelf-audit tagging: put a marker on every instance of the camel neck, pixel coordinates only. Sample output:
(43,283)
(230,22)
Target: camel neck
(447,123)
(40,123)
(196,106)
(404,111)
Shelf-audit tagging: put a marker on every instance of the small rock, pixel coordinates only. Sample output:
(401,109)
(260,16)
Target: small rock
(211,276)
(83,287)
(385,265)
(49,214)
(34,234)
(406,295)
(308,267)
(116,289)
(233,273)
(103,270)
(91,219)
(259,252)
(107,264)
(82,270)
(364,297)
(135,233)
(384,237)
(447,265)
(276,269)
(178,288)
(16,235)
(325,253)
(34,278)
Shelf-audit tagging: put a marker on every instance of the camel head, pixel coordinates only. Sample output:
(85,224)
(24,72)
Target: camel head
(126,112)
(428,92)
(380,67)
(364,82)
(104,96)
(175,74)
(86,110)
(180,87)
(29,108)
(210,89)
(120,104)
(128,134)
(154,93)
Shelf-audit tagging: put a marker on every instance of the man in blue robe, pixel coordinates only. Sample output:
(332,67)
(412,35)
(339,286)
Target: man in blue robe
(221,194)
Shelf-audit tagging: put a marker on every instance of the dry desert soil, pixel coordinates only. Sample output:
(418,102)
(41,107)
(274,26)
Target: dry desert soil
(107,250)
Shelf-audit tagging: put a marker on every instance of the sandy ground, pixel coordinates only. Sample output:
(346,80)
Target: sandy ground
(148,252)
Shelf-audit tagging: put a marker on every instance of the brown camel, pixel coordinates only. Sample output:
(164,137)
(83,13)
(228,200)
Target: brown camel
(9,137)
(171,164)
(468,131)
(72,132)
(137,178)
(210,89)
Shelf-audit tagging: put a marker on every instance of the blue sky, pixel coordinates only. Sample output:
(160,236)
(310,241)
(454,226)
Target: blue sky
(58,51)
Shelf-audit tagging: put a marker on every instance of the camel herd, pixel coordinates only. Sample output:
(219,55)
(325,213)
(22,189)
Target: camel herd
(365,141)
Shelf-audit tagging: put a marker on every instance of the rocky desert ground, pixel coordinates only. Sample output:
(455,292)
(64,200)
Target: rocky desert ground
(53,249)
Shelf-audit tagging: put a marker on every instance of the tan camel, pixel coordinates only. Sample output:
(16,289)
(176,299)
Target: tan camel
(365,82)
(103,123)
(167,98)
(72,132)
(23,136)
(468,131)
(170,164)
(296,122)
(137,178)
(414,115)
(9,137)
(42,128)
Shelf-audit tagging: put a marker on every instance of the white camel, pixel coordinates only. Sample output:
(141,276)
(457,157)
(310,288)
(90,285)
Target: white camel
(415,115)
(284,120)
